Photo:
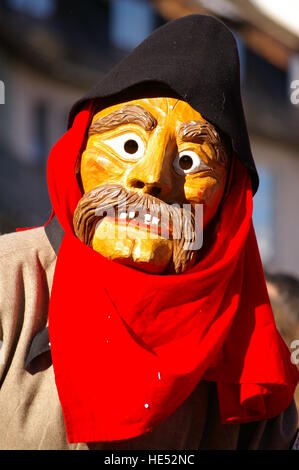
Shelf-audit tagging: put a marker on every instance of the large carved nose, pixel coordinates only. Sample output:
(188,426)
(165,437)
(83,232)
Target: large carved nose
(150,184)
(153,189)
(152,175)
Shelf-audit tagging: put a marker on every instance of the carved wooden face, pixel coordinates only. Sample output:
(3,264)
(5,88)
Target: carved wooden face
(157,151)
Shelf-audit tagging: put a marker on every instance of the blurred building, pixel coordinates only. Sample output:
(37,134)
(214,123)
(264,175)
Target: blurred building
(52,51)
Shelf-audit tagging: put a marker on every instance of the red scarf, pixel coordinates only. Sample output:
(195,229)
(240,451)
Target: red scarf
(129,347)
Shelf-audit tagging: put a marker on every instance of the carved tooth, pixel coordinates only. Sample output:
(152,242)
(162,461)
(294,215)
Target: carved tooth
(155,220)
(147,218)
(132,214)
(123,215)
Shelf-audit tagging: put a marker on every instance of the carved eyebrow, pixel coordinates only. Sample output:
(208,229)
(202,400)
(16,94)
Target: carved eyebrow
(200,132)
(127,114)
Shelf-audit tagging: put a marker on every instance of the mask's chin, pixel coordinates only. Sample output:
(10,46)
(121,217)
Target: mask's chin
(134,246)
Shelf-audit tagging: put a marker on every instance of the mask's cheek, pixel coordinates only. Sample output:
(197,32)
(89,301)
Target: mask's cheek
(207,191)
(97,167)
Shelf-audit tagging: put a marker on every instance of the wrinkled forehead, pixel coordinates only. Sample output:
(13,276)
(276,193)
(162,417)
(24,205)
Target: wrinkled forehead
(162,109)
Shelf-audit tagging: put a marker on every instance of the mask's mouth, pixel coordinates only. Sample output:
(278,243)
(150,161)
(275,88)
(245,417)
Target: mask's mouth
(142,219)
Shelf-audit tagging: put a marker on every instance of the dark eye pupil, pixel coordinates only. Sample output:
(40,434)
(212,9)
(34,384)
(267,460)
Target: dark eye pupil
(185,162)
(131,146)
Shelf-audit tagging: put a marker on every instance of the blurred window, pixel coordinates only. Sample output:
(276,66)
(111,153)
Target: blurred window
(264,79)
(38,8)
(242,55)
(131,21)
(263,214)
(40,135)
(293,77)
(2,92)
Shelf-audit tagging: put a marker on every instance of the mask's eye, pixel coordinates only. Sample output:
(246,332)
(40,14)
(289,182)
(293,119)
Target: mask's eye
(188,162)
(129,146)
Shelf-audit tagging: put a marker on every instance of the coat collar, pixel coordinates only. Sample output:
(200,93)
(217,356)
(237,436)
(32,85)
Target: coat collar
(41,343)
(55,233)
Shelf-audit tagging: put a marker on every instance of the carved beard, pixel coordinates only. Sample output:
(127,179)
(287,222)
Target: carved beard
(112,198)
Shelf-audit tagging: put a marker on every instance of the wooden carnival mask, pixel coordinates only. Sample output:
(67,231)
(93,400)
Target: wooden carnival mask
(147,162)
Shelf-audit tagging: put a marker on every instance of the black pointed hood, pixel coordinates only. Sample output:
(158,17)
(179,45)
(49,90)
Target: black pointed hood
(194,58)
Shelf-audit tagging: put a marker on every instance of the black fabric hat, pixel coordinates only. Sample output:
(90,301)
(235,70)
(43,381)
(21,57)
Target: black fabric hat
(194,58)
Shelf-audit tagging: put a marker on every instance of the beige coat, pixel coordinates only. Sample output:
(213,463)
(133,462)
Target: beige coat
(30,412)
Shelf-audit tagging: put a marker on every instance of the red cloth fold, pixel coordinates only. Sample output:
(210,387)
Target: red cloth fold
(129,347)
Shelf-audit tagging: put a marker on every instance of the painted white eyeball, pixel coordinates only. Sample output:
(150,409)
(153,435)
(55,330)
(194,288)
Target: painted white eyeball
(129,146)
(187,162)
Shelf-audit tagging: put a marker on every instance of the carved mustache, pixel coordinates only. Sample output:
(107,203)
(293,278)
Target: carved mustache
(115,199)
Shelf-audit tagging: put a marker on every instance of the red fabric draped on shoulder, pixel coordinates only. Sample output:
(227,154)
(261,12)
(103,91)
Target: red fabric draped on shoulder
(129,347)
